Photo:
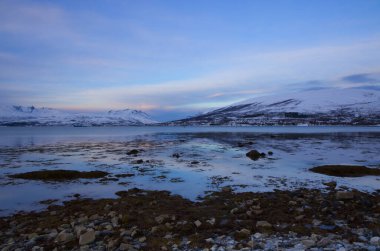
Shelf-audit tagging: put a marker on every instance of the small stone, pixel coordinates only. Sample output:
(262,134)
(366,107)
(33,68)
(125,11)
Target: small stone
(142,239)
(344,195)
(316,222)
(124,246)
(257,212)
(7,248)
(154,229)
(112,244)
(324,242)
(168,236)
(211,221)
(292,203)
(115,221)
(83,219)
(197,223)
(300,210)
(251,243)
(375,241)
(160,219)
(314,237)
(112,214)
(64,237)
(134,233)
(331,184)
(257,235)
(79,230)
(244,232)
(263,224)
(53,233)
(233,211)
(308,243)
(299,246)
(94,217)
(32,235)
(226,189)
(65,226)
(85,248)
(87,237)
(299,217)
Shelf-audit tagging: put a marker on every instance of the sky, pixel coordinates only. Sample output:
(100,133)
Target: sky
(173,59)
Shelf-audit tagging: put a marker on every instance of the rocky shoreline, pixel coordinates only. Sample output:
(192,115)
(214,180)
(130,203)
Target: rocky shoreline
(304,219)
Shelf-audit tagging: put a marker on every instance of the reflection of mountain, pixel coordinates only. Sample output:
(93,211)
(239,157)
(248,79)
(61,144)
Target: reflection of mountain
(19,115)
(320,107)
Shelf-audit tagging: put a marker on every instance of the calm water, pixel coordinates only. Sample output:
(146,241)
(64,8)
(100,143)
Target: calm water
(209,158)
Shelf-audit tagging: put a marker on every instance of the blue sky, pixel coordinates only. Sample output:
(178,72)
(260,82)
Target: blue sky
(177,58)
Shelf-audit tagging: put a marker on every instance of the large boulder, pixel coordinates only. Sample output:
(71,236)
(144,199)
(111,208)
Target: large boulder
(255,155)
(345,170)
(87,237)
(64,237)
(344,195)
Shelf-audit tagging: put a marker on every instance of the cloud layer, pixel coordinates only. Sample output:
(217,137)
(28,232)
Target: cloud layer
(175,58)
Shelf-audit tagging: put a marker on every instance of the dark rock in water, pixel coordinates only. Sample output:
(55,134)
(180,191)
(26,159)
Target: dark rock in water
(194,162)
(48,201)
(331,184)
(270,153)
(132,152)
(121,193)
(133,191)
(59,175)
(345,170)
(255,155)
(105,179)
(227,189)
(124,175)
(139,161)
(176,155)
(242,144)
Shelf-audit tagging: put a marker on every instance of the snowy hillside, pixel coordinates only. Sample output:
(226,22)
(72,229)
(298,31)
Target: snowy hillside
(318,107)
(20,115)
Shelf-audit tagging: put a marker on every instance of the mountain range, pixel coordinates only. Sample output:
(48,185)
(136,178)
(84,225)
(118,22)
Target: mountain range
(315,107)
(32,116)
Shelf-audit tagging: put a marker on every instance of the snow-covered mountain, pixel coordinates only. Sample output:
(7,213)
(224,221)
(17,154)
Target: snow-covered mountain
(317,107)
(25,116)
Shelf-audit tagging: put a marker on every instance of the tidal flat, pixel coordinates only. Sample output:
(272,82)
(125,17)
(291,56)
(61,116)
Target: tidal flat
(200,181)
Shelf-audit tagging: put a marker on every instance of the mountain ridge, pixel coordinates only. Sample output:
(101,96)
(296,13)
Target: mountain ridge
(313,107)
(16,115)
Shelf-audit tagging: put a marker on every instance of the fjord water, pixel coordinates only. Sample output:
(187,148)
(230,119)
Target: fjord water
(184,160)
